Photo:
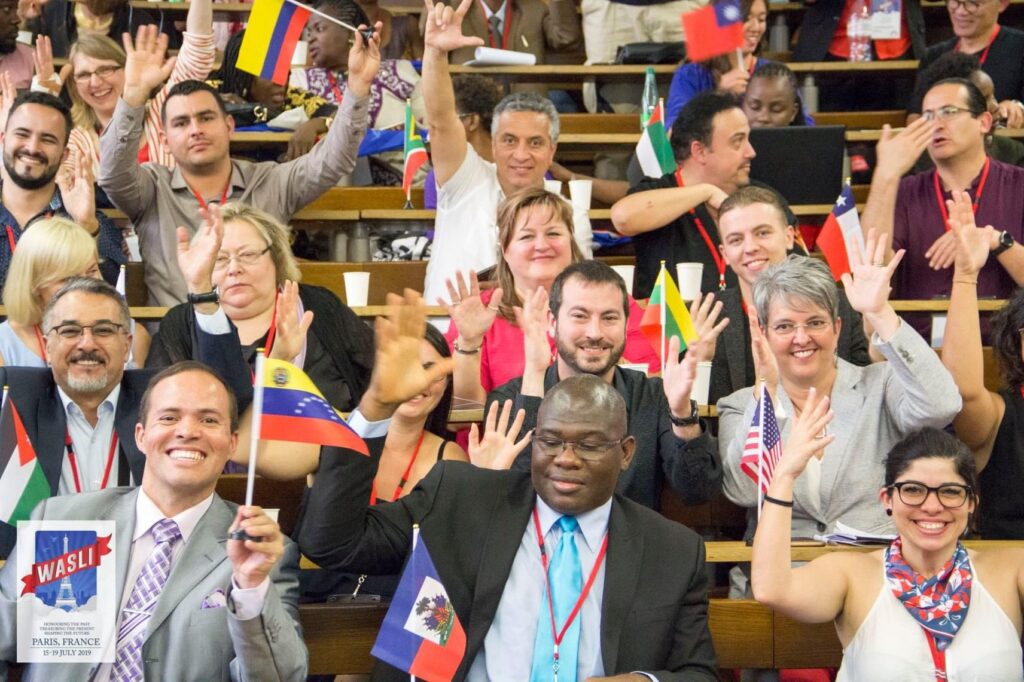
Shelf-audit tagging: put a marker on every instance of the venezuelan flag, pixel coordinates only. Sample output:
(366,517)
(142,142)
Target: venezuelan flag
(666,316)
(293,409)
(274,28)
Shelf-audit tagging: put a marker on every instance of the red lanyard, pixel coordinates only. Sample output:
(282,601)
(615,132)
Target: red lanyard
(977,196)
(223,195)
(506,24)
(560,634)
(39,340)
(74,464)
(10,238)
(715,255)
(270,337)
(938,658)
(334,87)
(405,476)
(984,54)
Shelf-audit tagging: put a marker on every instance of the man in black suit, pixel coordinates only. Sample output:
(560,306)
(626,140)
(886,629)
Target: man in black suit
(647,609)
(80,414)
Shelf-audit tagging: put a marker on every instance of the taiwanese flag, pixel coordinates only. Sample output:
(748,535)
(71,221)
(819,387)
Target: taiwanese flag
(713,30)
(291,408)
(421,633)
(841,234)
(274,28)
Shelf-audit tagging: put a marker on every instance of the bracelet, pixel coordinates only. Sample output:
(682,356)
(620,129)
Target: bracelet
(781,503)
(465,351)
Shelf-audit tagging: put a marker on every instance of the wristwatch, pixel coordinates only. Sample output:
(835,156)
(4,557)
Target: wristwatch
(692,420)
(208,297)
(1005,242)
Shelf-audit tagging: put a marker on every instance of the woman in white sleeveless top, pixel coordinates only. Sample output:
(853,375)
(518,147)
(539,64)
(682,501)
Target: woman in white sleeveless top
(923,609)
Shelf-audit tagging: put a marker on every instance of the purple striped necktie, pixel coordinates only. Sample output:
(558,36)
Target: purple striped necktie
(150,583)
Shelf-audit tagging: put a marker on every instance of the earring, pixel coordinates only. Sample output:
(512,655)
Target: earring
(888,512)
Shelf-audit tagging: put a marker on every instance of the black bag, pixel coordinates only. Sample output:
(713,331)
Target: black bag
(248,114)
(651,53)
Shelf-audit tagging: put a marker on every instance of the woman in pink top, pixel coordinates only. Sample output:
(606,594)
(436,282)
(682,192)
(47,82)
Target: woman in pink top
(535,235)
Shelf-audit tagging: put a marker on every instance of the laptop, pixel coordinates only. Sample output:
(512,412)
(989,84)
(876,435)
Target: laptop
(804,163)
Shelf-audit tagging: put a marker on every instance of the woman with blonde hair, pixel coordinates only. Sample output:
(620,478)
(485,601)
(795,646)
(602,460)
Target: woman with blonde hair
(50,253)
(535,243)
(254,262)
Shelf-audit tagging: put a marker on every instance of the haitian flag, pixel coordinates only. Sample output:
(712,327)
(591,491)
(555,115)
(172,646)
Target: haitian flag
(274,28)
(841,234)
(713,30)
(421,634)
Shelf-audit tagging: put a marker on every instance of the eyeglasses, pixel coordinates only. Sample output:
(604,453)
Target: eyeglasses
(242,258)
(103,73)
(949,495)
(945,113)
(100,330)
(789,328)
(969,6)
(587,450)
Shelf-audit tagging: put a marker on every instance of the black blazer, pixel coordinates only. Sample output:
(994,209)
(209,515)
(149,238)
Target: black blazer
(822,17)
(654,614)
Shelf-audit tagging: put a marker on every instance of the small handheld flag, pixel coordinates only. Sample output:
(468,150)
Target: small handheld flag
(841,234)
(763,447)
(713,30)
(23,484)
(654,151)
(421,633)
(415,153)
(274,28)
(666,316)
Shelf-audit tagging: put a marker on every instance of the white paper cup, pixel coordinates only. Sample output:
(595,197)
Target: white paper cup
(357,288)
(301,53)
(553,186)
(580,191)
(702,384)
(688,276)
(626,273)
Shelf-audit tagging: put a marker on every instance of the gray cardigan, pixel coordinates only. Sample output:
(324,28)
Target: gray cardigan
(875,407)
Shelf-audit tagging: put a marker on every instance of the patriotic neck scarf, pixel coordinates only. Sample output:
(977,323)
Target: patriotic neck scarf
(939,604)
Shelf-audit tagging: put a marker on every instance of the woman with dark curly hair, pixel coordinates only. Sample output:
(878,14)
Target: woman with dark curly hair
(991,423)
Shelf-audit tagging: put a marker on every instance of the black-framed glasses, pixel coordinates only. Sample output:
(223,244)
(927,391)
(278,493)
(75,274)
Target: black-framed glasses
(949,495)
(945,113)
(969,6)
(100,330)
(245,258)
(588,450)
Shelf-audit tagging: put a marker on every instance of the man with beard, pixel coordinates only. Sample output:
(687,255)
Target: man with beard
(15,58)
(80,414)
(34,146)
(588,311)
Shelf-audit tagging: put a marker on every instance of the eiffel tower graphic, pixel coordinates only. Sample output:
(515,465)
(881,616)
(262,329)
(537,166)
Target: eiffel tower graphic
(66,596)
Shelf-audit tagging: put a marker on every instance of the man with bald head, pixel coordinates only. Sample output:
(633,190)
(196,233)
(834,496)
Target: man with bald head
(643,617)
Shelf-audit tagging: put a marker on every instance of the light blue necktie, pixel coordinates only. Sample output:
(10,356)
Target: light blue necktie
(565,578)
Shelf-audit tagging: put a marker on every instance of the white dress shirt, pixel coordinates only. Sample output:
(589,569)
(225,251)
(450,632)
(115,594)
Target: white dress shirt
(91,445)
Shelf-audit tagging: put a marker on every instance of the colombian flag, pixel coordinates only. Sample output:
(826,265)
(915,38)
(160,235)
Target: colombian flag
(666,316)
(274,28)
(415,150)
(291,408)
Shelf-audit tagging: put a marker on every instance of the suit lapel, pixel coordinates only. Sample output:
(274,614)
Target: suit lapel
(622,572)
(125,418)
(203,552)
(50,428)
(848,400)
(735,343)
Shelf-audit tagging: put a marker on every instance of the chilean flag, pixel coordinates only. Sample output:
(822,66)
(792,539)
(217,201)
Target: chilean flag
(841,234)
(713,30)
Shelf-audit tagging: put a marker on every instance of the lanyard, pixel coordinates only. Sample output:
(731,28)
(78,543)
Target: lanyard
(405,476)
(977,197)
(39,340)
(506,24)
(938,658)
(715,256)
(334,87)
(10,238)
(984,54)
(69,446)
(270,337)
(223,195)
(556,633)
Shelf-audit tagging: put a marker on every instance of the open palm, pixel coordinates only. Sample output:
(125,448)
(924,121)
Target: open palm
(443,29)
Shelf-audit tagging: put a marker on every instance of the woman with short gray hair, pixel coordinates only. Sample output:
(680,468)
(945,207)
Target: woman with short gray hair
(794,341)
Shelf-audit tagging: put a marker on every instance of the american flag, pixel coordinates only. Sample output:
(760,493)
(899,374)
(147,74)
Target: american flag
(764,443)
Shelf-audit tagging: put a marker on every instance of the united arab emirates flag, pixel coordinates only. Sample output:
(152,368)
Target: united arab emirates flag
(653,150)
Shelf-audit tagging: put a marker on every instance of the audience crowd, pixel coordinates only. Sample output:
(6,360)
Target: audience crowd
(886,387)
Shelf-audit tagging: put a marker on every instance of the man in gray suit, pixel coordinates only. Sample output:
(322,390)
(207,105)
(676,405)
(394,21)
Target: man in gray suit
(222,608)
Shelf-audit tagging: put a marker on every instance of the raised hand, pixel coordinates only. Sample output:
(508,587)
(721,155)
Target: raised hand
(147,66)
(897,152)
(198,257)
(1011,113)
(364,61)
(443,28)
(42,58)
(252,561)
(867,285)
(734,81)
(766,367)
(469,313)
(807,435)
(532,318)
(7,94)
(704,312)
(78,192)
(677,380)
(499,447)
(289,327)
(398,374)
(973,244)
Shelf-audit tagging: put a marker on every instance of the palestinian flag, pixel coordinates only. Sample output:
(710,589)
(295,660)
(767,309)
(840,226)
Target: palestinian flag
(415,151)
(22,484)
(666,316)
(654,150)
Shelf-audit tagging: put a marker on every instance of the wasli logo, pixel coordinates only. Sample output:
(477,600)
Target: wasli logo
(64,572)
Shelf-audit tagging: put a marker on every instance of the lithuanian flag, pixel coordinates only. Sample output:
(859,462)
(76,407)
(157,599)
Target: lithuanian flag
(666,316)
(23,484)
